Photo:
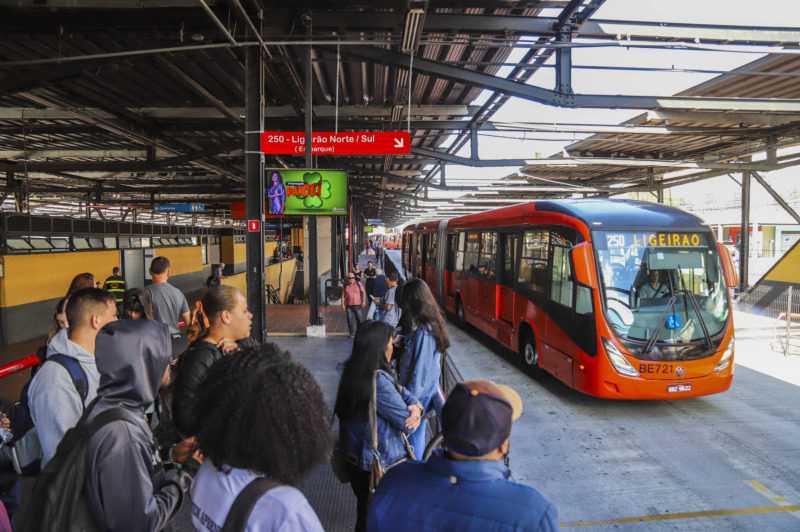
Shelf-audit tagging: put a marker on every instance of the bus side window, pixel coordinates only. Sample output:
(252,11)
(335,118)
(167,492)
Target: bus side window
(561,285)
(488,259)
(533,265)
(460,252)
(471,253)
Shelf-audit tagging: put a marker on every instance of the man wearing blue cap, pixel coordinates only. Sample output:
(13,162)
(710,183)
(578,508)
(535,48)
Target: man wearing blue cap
(467,487)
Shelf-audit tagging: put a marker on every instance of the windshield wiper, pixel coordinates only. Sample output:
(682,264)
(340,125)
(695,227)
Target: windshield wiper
(699,316)
(696,309)
(661,322)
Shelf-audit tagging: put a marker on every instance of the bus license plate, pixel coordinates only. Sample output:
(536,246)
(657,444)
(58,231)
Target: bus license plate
(679,387)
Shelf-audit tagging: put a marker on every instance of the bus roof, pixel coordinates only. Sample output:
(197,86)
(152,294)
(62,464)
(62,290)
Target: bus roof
(595,213)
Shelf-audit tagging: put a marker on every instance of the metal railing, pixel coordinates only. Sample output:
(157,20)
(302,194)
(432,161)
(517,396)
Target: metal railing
(783,308)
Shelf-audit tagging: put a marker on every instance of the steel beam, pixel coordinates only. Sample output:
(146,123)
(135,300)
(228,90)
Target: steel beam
(777,197)
(489,163)
(549,97)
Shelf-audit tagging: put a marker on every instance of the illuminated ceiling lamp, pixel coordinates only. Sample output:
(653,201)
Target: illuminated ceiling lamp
(413,30)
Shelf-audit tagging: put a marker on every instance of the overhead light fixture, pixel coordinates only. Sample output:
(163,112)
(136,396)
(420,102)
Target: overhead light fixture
(413,30)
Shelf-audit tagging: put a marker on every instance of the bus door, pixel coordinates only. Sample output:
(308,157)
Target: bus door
(419,261)
(569,310)
(486,308)
(505,286)
(449,275)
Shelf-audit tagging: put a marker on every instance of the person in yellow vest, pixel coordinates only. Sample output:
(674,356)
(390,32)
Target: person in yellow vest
(116,285)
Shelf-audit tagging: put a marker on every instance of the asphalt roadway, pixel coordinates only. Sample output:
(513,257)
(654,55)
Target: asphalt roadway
(726,462)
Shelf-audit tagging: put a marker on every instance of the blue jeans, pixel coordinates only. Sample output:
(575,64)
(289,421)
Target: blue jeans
(418,439)
(354,318)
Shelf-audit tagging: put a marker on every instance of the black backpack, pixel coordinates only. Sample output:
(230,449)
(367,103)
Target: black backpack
(25,445)
(58,502)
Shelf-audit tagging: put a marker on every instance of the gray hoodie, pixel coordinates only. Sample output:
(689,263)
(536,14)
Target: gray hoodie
(54,402)
(126,485)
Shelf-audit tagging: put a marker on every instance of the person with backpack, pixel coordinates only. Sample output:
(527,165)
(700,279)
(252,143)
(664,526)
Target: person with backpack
(126,486)
(68,379)
(264,426)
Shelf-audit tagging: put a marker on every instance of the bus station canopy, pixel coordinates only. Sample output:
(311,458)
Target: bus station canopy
(120,105)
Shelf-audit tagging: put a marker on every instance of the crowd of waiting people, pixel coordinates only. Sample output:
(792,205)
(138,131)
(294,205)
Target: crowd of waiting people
(215,419)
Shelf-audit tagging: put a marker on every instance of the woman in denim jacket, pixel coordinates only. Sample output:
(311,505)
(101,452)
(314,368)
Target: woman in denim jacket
(397,411)
(420,367)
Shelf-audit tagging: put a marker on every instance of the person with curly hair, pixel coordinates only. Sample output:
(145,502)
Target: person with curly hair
(221,320)
(368,371)
(419,367)
(263,416)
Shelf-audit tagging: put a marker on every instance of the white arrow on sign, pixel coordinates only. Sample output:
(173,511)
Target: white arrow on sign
(398,143)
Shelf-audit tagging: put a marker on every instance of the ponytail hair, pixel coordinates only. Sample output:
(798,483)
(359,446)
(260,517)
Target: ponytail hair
(208,310)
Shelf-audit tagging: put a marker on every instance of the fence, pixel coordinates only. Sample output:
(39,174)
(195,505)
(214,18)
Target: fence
(784,309)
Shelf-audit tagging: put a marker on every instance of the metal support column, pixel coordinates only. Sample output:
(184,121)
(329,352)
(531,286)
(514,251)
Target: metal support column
(254,194)
(564,62)
(313,253)
(744,249)
(334,247)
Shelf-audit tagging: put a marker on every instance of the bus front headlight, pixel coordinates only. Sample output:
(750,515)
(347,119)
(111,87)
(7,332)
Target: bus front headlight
(619,362)
(727,356)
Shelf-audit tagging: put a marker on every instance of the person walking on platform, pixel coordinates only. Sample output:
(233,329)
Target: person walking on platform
(359,273)
(55,402)
(419,367)
(369,277)
(354,298)
(169,303)
(115,284)
(467,487)
(126,486)
(264,419)
(221,320)
(388,309)
(367,374)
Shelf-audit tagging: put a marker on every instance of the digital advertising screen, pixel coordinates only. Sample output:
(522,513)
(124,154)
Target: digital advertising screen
(306,192)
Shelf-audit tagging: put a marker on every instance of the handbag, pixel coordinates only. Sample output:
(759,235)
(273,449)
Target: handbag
(338,461)
(377,470)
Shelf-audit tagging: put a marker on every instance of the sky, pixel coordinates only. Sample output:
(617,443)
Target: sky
(495,145)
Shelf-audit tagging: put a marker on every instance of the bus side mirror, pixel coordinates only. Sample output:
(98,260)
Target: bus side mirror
(731,275)
(583,270)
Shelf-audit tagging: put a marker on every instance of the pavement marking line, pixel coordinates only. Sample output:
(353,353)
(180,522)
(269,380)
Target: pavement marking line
(771,495)
(683,515)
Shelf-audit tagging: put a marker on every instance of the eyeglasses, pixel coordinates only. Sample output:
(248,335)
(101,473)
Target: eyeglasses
(351,277)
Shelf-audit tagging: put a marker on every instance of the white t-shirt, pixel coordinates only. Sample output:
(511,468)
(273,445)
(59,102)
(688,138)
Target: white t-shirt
(281,509)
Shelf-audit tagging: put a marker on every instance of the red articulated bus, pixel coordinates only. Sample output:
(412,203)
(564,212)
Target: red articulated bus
(617,299)
(390,240)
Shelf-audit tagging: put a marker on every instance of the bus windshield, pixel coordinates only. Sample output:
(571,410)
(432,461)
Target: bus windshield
(662,288)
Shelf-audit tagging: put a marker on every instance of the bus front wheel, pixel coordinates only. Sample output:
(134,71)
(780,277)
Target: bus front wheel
(530,354)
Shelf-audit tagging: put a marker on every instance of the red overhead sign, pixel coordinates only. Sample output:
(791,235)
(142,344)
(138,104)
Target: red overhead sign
(362,143)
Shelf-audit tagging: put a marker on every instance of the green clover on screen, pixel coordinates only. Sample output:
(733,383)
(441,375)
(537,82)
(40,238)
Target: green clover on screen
(315,202)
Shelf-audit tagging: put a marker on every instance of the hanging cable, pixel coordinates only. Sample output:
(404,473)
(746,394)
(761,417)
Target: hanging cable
(338,62)
(410,72)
